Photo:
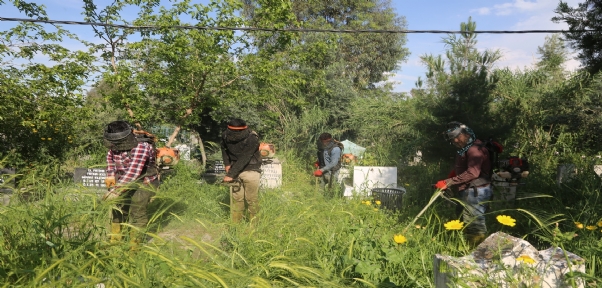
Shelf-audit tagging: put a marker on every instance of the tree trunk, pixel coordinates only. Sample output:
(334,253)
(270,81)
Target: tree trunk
(173,135)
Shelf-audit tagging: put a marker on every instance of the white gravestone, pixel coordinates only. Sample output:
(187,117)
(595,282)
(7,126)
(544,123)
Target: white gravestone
(501,255)
(271,174)
(367,177)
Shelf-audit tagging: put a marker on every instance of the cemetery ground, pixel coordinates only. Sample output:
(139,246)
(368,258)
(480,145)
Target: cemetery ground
(302,238)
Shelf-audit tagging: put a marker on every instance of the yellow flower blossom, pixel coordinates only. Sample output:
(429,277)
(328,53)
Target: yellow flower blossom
(368,203)
(399,239)
(506,220)
(407,184)
(417,226)
(600,223)
(377,202)
(43,138)
(590,227)
(579,225)
(526,259)
(49,139)
(375,209)
(454,225)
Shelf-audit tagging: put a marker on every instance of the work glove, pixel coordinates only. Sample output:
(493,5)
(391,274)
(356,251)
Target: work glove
(441,184)
(452,174)
(110,195)
(318,173)
(317,164)
(110,182)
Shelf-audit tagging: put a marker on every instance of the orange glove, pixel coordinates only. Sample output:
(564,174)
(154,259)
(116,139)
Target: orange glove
(318,173)
(317,164)
(452,174)
(110,182)
(441,184)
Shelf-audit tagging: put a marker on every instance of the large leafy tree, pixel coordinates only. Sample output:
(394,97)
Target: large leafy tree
(458,87)
(40,99)
(317,75)
(586,16)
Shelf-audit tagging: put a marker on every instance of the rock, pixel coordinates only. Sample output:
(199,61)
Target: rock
(509,262)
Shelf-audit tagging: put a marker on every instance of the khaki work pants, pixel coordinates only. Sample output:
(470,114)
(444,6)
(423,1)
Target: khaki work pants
(247,189)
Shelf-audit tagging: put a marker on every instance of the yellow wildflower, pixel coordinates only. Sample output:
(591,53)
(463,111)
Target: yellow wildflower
(579,225)
(526,259)
(417,226)
(506,220)
(375,209)
(43,138)
(590,227)
(407,184)
(600,223)
(399,239)
(34,131)
(377,202)
(49,139)
(368,203)
(454,225)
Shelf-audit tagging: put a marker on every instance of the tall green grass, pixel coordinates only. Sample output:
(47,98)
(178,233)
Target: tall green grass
(302,238)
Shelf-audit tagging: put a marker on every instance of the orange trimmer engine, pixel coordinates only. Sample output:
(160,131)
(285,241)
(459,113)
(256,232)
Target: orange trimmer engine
(167,156)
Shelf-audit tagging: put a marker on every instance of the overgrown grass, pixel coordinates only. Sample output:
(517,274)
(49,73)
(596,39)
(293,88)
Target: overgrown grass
(302,238)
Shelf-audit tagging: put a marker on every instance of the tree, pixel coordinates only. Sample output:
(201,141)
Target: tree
(553,54)
(586,16)
(40,101)
(457,88)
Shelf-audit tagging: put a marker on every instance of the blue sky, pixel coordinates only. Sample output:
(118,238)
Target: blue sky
(519,50)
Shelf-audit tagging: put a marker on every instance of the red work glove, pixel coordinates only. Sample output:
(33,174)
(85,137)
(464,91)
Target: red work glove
(317,164)
(441,184)
(318,173)
(452,174)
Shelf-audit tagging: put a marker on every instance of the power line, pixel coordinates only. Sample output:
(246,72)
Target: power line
(299,30)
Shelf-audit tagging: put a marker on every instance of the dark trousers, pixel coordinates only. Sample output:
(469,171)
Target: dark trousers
(133,205)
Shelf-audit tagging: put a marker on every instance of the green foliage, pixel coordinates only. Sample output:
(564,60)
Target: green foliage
(458,88)
(580,19)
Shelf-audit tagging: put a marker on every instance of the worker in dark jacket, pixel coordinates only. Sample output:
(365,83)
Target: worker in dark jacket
(242,160)
(471,176)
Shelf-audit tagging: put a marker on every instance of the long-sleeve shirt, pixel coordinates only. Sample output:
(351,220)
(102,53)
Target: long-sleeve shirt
(127,166)
(239,156)
(331,159)
(473,164)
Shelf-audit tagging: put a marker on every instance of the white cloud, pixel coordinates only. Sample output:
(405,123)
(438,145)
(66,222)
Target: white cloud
(521,6)
(482,11)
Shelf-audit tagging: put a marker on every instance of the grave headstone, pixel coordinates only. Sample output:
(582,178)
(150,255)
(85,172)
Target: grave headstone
(90,177)
(7,184)
(501,255)
(365,178)
(271,174)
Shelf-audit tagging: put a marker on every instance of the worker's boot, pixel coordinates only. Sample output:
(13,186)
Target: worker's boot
(134,240)
(474,239)
(236,216)
(115,235)
(253,219)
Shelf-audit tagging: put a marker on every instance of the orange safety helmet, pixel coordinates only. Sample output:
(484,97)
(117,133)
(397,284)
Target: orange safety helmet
(167,156)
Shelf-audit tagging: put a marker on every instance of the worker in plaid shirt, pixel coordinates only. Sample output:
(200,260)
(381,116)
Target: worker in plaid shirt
(131,178)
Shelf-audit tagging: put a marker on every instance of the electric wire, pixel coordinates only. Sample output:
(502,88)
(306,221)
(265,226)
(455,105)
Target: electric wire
(292,29)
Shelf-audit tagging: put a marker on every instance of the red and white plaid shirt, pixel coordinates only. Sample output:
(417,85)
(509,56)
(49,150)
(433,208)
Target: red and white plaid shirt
(129,166)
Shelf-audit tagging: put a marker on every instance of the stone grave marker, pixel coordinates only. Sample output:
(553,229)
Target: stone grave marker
(501,255)
(90,177)
(271,174)
(7,184)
